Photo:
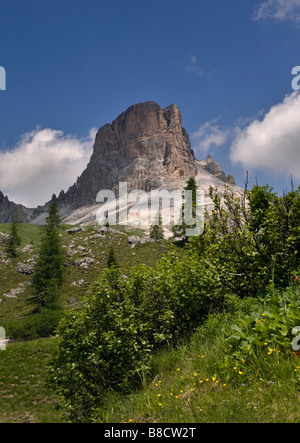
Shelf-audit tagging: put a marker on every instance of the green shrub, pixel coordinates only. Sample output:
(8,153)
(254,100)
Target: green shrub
(252,241)
(110,344)
(36,326)
(260,329)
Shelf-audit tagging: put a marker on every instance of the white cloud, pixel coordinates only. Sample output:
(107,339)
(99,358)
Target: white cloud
(272,143)
(209,135)
(283,10)
(45,161)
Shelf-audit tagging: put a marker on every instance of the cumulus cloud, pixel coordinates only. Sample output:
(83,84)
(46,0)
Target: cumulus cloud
(209,135)
(45,161)
(283,10)
(272,143)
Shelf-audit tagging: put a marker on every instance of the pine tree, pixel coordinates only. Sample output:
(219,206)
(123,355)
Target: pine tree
(180,230)
(48,275)
(111,259)
(157,232)
(14,240)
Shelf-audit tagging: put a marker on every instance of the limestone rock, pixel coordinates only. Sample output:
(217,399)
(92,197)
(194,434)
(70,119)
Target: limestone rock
(26,269)
(13,293)
(27,248)
(84,262)
(146,146)
(8,209)
(3,239)
(133,240)
(214,168)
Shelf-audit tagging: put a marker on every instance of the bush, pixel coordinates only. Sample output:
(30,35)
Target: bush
(260,331)
(252,241)
(109,345)
(40,325)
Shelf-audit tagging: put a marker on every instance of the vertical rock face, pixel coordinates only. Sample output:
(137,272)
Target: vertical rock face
(8,209)
(145,146)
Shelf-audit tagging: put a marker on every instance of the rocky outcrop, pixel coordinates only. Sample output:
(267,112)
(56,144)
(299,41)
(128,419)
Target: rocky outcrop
(8,209)
(214,168)
(3,239)
(26,269)
(146,146)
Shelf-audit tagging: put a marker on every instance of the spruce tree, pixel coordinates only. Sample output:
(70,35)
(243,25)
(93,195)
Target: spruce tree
(48,275)
(179,230)
(14,240)
(111,260)
(157,232)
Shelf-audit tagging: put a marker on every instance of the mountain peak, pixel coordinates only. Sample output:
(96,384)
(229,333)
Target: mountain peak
(215,169)
(145,146)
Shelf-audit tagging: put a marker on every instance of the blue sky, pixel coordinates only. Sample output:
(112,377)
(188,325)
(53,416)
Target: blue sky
(72,66)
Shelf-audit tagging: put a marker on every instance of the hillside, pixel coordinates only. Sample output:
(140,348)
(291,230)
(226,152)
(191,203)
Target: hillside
(86,256)
(204,334)
(187,385)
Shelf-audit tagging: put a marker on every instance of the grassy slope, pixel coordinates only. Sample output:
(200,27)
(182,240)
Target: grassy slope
(176,393)
(28,233)
(185,388)
(189,387)
(24,396)
(15,309)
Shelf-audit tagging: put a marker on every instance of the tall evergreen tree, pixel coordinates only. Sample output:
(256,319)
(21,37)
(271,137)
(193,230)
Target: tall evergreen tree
(157,232)
(111,259)
(48,275)
(179,230)
(14,240)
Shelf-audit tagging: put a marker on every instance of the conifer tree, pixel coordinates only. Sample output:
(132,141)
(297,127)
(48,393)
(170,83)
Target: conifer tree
(14,240)
(111,260)
(157,232)
(48,275)
(180,229)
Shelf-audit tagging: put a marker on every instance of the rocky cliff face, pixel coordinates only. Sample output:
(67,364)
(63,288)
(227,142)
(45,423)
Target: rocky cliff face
(8,209)
(214,168)
(145,146)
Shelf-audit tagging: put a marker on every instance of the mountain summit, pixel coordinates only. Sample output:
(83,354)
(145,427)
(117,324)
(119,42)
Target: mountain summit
(147,147)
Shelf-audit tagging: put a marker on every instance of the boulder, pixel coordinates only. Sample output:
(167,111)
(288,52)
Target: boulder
(133,240)
(25,268)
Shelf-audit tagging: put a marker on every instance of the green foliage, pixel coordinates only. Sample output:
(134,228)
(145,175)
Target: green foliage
(253,241)
(110,344)
(111,259)
(157,232)
(260,331)
(14,240)
(179,230)
(43,324)
(30,234)
(48,274)
(24,396)
(203,381)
